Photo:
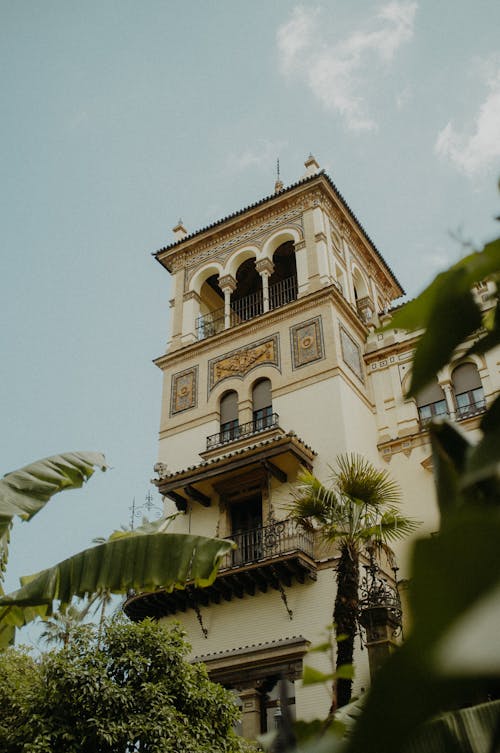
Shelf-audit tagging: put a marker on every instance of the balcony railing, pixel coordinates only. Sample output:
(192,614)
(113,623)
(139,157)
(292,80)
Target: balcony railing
(268,542)
(246,308)
(241,431)
(472,409)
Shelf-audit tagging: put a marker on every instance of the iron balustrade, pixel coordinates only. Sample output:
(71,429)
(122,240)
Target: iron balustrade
(472,409)
(246,308)
(240,431)
(267,542)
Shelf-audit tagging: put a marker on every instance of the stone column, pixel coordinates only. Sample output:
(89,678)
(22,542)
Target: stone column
(228,285)
(250,720)
(450,399)
(265,268)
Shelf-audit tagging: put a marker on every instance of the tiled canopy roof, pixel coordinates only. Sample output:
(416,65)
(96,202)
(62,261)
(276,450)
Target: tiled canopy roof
(300,182)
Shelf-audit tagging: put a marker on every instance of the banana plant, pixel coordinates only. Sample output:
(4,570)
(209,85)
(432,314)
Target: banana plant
(144,559)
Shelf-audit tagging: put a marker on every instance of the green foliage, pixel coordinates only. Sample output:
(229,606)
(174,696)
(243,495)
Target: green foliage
(26,491)
(449,314)
(136,691)
(359,509)
(450,659)
(143,559)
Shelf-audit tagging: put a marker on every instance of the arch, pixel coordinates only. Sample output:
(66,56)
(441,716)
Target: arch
(431,402)
(247,299)
(201,275)
(238,257)
(467,389)
(360,285)
(277,238)
(228,407)
(262,404)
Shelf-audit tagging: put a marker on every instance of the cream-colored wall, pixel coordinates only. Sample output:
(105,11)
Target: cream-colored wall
(263,618)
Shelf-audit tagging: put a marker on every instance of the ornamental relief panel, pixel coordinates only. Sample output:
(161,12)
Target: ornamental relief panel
(237,363)
(306,341)
(351,353)
(184,390)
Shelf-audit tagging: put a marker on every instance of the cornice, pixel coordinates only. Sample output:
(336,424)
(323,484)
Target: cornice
(257,325)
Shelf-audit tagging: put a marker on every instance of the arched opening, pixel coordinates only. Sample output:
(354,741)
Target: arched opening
(468,390)
(229,416)
(262,405)
(283,281)
(364,303)
(211,317)
(246,301)
(431,401)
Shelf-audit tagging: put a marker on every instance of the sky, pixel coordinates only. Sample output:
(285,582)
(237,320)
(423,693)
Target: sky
(120,117)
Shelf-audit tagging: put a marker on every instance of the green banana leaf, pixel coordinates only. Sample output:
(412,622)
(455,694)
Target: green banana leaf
(26,491)
(142,562)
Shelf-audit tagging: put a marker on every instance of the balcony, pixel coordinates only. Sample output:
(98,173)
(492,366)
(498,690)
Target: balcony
(244,309)
(470,409)
(242,431)
(267,557)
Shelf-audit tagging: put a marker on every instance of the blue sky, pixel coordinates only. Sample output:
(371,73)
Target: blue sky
(119,117)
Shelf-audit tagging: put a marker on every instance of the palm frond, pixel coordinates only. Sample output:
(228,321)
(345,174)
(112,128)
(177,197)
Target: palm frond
(391,526)
(359,480)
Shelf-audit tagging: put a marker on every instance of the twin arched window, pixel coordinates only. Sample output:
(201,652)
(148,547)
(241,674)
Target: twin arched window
(262,411)
(467,390)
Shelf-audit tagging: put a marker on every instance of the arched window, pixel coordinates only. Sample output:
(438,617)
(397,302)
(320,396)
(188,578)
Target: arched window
(283,281)
(469,394)
(262,405)
(246,301)
(229,416)
(431,402)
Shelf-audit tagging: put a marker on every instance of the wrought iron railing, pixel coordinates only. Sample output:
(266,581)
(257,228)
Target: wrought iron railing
(267,542)
(233,433)
(246,308)
(472,409)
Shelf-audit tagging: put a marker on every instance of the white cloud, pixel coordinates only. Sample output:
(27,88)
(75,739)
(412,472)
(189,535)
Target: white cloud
(334,69)
(477,148)
(264,154)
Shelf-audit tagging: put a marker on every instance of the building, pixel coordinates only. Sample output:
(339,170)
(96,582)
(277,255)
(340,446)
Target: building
(275,362)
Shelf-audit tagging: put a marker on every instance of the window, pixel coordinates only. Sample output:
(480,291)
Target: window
(229,417)
(262,405)
(431,402)
(469,394)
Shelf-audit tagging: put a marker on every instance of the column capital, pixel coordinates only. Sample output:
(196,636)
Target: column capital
(191,295)
(264,267)
(227,282)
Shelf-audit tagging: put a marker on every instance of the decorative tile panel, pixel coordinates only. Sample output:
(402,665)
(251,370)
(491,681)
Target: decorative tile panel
(237,363)
(184,391)
(307,342)
(351,353)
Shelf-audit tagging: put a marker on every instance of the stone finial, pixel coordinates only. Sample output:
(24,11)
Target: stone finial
(278,186)
(311,166)
(179,231)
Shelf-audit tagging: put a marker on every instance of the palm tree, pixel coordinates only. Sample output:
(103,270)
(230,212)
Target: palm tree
(358,509)
(61,627)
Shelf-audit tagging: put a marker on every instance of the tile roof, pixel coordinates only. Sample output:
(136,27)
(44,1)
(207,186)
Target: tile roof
(240,451)
(296,639)
(262,201)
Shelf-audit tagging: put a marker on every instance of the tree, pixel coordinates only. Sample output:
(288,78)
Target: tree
(144,559)
(62,626)
(136,691)
(360,508)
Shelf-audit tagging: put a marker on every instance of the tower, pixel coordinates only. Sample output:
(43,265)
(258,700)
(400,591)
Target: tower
(274,364)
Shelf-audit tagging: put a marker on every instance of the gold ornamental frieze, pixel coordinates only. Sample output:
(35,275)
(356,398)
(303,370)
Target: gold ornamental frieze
(237,363)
